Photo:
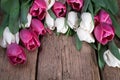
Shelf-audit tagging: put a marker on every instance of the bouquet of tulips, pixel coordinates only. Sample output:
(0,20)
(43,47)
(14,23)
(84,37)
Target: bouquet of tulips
(92,21)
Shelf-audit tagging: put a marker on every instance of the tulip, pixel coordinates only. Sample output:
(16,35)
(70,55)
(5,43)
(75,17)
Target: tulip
(75,4)
(50,22)
(110,59)
(104,17)
(72,20)
(29,39)
(87,22)
(16,54)
(38,9)
(59,9)
(9,38)
(49,3)
(104,33)
(37,27)
(60,25)
(85,35)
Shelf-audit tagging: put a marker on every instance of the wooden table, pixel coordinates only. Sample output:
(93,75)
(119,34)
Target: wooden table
(58,59)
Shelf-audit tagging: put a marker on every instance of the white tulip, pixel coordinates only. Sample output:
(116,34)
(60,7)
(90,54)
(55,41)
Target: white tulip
(49,3)
(60,25)
(87,22)
(72,20)
(110,59)
(29,18)
(9,38)
(49,21)
(85,35)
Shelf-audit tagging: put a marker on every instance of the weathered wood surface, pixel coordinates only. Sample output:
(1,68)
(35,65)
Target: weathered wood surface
(58,59)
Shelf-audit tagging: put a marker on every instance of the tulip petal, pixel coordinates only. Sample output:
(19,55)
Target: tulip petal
(50,22)
(29,18)
(60,25)
(85,36)
(110,59)
(49,3)
(72,20)
(87,22)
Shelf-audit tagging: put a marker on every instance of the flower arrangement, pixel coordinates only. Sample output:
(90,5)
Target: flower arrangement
(92,21)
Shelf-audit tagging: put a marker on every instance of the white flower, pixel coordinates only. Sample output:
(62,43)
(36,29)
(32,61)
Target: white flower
(110,59)
(29,18)
(49,21)
(87,22)
(49,3)
(60,25)
(72,20)
(85,36)
(9,38)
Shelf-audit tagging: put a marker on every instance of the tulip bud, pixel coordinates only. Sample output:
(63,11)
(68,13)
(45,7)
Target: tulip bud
(37,27)
(60,25)
(38,9)
(16,54)
(104,33)
(50,22)
(85,35)
(103,17)
(72,20)
(110,59)
(59,9)
(29,39)
(49,3)
(75,4)
(87,22)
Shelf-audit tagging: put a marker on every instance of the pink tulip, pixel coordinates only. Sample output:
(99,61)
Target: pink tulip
(38,9)
(75,4)
(29,39)
(16,54)
(37,27)
(103,16)
(104,33)
(59,9)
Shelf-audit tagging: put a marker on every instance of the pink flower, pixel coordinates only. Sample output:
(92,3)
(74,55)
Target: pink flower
(75,4)
(16,54)
(38,9)
(59,9)
(37,27)
(29,39)
(103,16)
(104,33)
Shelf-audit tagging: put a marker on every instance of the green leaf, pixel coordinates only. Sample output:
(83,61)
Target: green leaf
(6,5)
(52,14)
(90,8)
(99,46)
(86,4)
(112,5)
(25,5)
(14,17)
(114,50)
(3,25)
(101,61)
(78,42)
(100,3)
(116,25)
(70,32)
(93,45)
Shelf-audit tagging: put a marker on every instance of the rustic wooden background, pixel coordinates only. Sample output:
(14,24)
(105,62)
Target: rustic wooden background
(57,59)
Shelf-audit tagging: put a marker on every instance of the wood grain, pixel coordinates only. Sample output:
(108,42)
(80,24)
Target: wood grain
(59,60)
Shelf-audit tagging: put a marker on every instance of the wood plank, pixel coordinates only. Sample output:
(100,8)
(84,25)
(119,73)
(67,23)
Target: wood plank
(59,60)
(19,72)
(110,73)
